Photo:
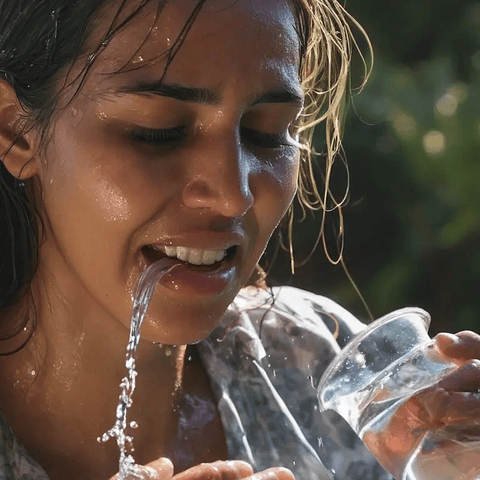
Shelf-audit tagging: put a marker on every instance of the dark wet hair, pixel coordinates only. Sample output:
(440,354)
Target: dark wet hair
(37,40)
(41,39)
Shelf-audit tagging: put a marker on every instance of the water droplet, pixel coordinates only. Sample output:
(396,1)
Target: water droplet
(133,424)
(168,352)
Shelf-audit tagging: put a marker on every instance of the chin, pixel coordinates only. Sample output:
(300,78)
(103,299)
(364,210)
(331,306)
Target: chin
(182,328)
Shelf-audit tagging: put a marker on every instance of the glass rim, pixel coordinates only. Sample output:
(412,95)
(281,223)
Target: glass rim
(423,314)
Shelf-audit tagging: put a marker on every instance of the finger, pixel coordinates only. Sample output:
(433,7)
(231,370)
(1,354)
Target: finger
(277,473)
(229,470)
(234,469)
(464,408)
(442,407)
(462,346)
(243,469)
(465,378)
(160,469)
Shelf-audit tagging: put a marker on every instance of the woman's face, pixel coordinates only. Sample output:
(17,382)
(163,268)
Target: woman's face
(197,164)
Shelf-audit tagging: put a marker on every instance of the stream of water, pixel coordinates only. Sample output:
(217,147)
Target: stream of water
(145,287)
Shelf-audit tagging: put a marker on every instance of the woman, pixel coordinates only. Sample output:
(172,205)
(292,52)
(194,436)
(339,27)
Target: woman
(138,129)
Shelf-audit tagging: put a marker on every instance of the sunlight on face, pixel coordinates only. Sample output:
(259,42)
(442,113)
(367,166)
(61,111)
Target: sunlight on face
(198,164)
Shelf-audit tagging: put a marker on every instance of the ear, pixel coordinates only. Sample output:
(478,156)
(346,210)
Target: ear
(17,149)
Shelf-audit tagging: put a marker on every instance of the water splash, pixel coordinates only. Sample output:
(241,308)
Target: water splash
(145,287)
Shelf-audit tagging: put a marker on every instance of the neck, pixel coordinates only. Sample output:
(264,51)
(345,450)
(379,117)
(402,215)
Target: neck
(64,384)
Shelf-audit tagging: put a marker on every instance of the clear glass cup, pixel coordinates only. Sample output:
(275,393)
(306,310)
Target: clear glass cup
(369,384)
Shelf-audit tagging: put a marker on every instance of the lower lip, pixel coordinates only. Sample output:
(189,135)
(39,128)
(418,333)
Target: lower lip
(193,280)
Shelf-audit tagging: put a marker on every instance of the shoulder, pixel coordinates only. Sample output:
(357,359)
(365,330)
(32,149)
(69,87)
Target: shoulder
(299,331)
(298,308)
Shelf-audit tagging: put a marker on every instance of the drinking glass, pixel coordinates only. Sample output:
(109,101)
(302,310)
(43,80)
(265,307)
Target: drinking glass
(369,385)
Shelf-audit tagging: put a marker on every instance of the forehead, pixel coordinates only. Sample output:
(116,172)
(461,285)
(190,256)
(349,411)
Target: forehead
(228,41)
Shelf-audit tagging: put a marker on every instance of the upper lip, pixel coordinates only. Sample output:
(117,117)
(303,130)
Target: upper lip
(202,240)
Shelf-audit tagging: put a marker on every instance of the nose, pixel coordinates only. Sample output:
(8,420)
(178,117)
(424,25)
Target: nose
(219,179)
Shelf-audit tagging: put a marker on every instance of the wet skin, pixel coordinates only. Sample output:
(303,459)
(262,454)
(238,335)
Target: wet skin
(207,162)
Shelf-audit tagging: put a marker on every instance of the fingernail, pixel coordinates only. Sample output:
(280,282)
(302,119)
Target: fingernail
(446,339)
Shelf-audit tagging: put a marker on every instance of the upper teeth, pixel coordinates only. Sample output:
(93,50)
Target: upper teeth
(195,256)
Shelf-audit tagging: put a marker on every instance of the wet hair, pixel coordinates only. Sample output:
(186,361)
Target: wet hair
(326,32)
(40,40)
(37,40)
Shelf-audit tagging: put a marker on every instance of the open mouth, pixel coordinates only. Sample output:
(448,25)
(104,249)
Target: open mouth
(205,260)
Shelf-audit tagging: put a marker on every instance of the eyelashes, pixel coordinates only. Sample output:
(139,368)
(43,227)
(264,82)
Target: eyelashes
(159,137)
(265,140)
(174,136)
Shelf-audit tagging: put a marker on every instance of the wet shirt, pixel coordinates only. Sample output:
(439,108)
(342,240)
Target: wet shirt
(264,362)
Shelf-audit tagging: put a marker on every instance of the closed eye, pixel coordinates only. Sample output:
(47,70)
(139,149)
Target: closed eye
(266,140)
(159,137)
(171,136)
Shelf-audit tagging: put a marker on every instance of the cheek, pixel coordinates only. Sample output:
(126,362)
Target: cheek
(112,202)
(92,170)
(284,177)
(274,193)
(97,197)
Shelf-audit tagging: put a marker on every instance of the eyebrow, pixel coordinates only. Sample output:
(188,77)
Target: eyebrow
(206,96)
(179,92)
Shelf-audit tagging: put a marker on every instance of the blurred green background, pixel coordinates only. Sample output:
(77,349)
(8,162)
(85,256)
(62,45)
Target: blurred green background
(412,142)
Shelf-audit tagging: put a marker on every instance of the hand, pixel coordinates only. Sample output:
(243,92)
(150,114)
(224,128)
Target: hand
(162,469)
(455,400)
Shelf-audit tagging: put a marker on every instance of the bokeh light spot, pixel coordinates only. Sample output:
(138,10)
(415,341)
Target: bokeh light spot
(434,142)
(404,124)
(446,105)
